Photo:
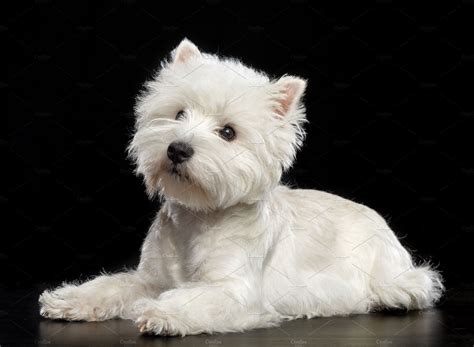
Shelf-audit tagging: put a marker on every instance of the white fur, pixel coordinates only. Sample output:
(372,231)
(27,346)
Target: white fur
(231,249)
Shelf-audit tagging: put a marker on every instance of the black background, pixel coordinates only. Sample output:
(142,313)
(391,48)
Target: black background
(390,103)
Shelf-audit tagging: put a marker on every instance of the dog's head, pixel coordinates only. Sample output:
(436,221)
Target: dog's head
(212,132)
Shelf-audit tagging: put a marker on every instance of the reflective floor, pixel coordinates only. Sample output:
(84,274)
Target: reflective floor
(450,324)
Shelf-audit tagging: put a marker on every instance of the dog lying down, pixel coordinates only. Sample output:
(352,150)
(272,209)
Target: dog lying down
(232,249)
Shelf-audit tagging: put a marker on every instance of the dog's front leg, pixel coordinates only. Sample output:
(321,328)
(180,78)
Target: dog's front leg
(204,308)
(222,293)
(112,296)
(104,297)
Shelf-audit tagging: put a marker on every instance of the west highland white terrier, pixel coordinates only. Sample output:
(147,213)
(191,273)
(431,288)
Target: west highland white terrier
(232,248)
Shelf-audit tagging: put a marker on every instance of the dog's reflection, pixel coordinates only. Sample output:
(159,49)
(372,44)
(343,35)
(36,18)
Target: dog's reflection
(382,328)
(112,332)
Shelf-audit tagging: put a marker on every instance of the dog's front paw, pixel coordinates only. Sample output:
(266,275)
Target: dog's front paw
(156,322)
(66,303)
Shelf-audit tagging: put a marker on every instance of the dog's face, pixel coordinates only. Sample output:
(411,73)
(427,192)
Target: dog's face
(211,132)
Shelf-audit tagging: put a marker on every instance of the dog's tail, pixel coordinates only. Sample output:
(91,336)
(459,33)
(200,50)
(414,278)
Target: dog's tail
(418,287)
(397,282)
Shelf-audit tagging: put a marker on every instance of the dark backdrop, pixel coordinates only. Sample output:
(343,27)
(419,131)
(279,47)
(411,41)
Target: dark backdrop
(390,101)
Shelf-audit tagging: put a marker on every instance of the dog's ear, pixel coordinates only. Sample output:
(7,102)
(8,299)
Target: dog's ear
(185,51)
(289,90)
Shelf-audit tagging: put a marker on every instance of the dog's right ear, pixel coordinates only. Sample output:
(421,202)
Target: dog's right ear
(185,51)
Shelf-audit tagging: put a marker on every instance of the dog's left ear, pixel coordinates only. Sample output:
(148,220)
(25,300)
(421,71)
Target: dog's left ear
(185,51)
(289,91)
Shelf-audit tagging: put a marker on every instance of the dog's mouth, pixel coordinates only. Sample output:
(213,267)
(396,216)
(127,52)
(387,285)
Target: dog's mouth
(178,171)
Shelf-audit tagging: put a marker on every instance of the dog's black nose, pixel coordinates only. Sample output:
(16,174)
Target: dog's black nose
(179,152)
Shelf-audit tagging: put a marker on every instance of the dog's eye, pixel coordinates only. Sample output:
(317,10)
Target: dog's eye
(227,133)
(180,115)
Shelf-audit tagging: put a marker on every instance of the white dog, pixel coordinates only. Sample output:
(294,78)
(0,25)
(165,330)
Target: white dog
(231,248)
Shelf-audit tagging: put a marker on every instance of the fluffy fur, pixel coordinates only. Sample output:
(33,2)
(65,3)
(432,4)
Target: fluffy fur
(231,248)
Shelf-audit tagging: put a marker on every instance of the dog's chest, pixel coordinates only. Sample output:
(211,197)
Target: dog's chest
(195,240)
(212,247)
